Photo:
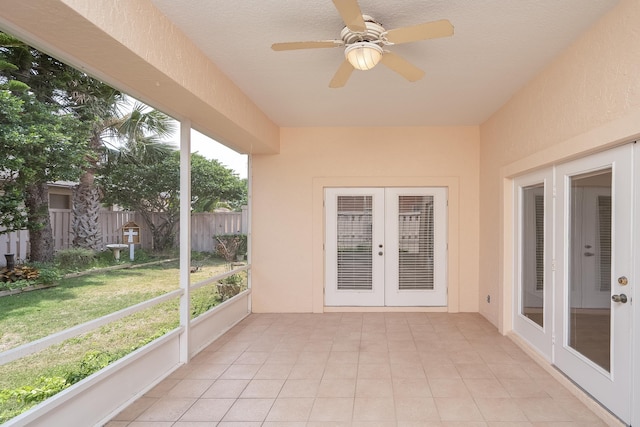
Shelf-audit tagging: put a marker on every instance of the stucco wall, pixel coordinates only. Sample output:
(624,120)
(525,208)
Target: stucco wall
(586,100)
(287,227)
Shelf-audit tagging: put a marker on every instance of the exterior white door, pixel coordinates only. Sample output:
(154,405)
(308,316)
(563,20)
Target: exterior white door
(533,294)
(354,246)
(385,247)
(415,235)
(593,311)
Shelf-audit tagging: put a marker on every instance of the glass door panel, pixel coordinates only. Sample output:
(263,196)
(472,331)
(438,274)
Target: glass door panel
(533,290)
(590,266)
(355,242)
(532,262)
(415,242)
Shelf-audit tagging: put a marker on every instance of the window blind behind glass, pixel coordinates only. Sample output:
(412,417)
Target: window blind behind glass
(416,242)
(355,238)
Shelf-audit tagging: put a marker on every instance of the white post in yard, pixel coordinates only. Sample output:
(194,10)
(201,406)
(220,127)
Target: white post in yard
(129,234)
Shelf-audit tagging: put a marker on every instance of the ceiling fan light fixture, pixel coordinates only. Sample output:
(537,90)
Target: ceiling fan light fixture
(363,55)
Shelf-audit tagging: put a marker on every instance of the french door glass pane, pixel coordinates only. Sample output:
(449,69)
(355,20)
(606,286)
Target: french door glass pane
(532,280)
(590,266)
(416,242)
(355,238)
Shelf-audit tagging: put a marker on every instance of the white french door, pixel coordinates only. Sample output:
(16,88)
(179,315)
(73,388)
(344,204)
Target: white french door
(594,257)
(533,296)
(385,247)
(354,246)
(574,252)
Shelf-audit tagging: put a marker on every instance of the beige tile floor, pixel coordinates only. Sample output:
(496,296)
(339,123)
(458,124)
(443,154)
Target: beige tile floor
(359,369)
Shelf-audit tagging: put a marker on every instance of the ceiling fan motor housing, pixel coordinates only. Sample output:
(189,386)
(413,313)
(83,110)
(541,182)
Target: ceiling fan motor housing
(373,32)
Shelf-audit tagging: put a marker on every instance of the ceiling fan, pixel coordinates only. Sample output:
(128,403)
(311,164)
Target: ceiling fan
(364,40)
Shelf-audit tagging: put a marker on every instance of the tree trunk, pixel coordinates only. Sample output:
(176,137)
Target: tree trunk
(86,214)
(162,232)
(86,202)
(40,233)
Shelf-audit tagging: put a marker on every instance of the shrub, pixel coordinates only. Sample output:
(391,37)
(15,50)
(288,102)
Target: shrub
(203,300)
(75,259)
(15,401)
(201,256)
(48,274)
(230,286)
(92,362)
(28,275)
(19,273)
(230,245)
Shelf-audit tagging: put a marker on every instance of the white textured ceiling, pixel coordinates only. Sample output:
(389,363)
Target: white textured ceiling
(497,46)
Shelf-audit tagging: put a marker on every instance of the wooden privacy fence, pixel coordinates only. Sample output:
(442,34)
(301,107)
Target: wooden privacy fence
(204,227)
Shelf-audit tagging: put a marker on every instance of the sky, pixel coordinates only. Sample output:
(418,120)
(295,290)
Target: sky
(212,149)
(208,147)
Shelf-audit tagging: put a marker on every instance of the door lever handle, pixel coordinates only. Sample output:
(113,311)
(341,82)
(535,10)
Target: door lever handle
(619,298)
(589,254)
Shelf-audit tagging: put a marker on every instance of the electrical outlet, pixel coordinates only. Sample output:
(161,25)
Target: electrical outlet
(489,299)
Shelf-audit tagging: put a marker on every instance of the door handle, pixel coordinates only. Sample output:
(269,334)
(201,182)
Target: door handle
(619,298)
(380,253)
(589,254)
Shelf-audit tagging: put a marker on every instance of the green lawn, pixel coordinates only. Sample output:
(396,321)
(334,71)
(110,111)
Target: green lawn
(31,315)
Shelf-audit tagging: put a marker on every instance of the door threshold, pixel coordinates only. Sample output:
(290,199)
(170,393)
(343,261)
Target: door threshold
(358,309)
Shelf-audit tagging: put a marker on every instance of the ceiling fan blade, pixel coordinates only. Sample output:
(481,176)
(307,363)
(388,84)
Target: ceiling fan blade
(428,30)
(402,66)
(351,15)
(307,45)
(342,75)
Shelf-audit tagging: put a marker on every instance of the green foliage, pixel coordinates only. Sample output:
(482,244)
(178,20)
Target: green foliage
(40,136)
(75,259)
(213,185)
(32,274)
(92,362)
(41,390)
(148,188)
(81,259)
(15,401)
(234,279)
(11,285)
(151,186)
(44,146)
(199,256)
(230,286)
(203,300)
(49,274)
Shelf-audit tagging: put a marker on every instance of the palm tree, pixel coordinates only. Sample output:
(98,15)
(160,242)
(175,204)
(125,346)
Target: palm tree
(136,133)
